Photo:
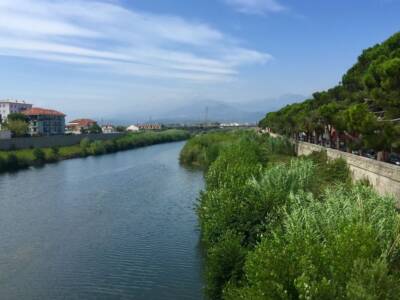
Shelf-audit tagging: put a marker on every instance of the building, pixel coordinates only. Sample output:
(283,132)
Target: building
(12,106)
(132,128)
(45,121)
(149,127)
(108,129)
(80,126)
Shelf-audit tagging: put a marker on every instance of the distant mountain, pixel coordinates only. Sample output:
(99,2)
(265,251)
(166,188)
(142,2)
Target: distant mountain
(217,111)
(198,111)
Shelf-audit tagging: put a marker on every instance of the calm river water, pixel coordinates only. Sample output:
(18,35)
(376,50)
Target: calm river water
(119,226)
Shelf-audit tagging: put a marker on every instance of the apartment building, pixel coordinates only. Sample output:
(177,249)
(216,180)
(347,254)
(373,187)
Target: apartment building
(45,121)
(12,106)
(80,126)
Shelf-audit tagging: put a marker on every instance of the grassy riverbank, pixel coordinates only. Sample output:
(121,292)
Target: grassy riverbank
(280,227)
(19,159)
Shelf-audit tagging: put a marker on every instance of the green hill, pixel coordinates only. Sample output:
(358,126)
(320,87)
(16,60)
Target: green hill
(364,106)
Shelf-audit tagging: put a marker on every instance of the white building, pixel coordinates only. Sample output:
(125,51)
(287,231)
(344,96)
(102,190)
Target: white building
(12,106)
(107,129)
(133,128)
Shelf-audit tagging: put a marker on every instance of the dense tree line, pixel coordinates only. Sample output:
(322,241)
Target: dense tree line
(362,108)
(279,227)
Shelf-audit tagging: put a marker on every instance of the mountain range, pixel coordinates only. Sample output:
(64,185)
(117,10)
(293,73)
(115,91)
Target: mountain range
(202,110)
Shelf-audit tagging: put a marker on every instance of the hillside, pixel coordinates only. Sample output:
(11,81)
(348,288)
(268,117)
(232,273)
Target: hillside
(364,107)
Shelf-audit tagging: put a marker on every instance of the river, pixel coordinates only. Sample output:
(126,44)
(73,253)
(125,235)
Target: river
(118,226)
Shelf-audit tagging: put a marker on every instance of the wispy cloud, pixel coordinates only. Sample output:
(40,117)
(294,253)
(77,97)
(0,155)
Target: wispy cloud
(108,36)
(256,6)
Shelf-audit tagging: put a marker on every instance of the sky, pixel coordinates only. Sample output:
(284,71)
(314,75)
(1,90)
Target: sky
(110,58)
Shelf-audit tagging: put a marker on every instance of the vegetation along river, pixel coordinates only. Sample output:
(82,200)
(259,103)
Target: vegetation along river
(119,226)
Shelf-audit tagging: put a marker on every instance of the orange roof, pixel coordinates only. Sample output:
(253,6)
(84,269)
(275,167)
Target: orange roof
(82,122)
(36,111)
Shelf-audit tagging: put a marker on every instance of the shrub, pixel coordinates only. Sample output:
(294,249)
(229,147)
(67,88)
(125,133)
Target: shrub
(55,150)
(39,156)
(3,164)
(97,148)
(225,263)
(12,162)
(345,247)
(85,144)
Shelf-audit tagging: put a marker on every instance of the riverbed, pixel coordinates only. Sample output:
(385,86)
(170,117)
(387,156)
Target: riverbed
(118,226)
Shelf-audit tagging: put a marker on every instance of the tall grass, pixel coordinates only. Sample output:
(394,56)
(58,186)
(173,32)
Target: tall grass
(279,227)
(344,247)
(202,150)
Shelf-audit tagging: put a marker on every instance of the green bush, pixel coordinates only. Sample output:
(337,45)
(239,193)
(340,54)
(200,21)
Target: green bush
(11,162)
(225,263)
(97,148)
(241,197)
(55,150)
(344,247)
(203,149)
(39,156)
(278,227)
(3,164)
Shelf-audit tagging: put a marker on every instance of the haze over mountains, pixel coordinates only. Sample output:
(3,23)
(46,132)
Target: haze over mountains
(200,110)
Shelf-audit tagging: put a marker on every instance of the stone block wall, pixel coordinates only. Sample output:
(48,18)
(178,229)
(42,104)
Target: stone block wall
(384,177)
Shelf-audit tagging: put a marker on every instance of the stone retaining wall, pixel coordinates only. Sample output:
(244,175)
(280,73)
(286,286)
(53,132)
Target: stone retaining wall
(384,177)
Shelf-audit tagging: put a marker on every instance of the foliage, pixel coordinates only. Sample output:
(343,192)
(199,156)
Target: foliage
(17,127)
(95,128)
(39,155)
(18,117)
(294,229)
(120,128)
(345,247)
(14,160)
(203,149)
(370,88)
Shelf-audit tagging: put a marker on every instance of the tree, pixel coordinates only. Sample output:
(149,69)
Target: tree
(371,86)
(328,113)
(120,128)
(17,127)
(39,155)
(95,129)
(18,117)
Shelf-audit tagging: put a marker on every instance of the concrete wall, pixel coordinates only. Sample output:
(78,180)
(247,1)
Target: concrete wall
(384,177)
(51,141)
(5,134)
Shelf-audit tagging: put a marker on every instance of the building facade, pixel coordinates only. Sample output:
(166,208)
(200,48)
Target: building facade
(149,127)
(44,122)
(108,129)
(132,128)
(80,126)
(12,106)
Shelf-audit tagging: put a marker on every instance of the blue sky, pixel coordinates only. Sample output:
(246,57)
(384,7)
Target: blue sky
(107,58)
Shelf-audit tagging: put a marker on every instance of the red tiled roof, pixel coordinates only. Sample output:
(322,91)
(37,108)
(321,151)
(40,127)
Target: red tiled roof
(82,122)
(36,111)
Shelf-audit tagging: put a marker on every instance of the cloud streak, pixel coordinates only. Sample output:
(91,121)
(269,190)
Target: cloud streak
(258,7)
(109,37)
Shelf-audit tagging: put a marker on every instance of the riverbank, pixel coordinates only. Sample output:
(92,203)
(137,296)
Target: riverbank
(11,161)
(276,226)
